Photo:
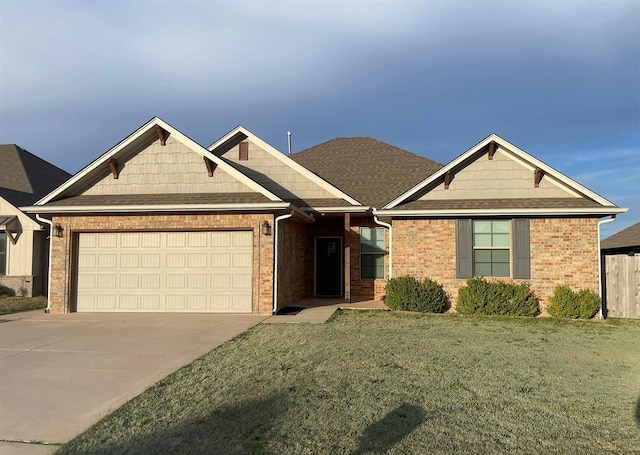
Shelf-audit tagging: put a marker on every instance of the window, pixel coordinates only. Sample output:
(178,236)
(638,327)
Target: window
(372,252)
(491,248)
(3,253)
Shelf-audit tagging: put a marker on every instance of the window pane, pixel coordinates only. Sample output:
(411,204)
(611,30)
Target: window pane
(500,227)
(372,266)
(501,240)
(483,255)
(482,227)
(372,240)
(500,269)
(483,269)
(482,240)
(500,256)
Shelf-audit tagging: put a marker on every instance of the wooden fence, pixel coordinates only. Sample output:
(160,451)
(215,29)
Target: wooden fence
(622,285)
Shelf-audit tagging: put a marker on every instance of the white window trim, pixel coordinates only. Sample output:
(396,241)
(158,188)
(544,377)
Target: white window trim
(508,248)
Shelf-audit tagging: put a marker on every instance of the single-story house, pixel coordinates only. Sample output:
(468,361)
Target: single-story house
(161,223)
(24,245)
(621,273)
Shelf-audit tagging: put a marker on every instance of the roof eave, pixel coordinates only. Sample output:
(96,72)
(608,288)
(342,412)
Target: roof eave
(604,211)
(158,208)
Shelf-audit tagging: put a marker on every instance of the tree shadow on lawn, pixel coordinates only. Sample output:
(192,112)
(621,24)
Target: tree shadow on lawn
(388,431)
(637,410)
(242,429)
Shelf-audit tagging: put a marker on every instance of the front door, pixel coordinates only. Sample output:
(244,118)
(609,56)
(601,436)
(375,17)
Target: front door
(328,266)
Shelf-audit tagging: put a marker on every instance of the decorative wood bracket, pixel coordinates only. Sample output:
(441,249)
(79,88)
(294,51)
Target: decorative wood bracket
(492,149)
(113,166)
(162,135)
(447,180)
(537,176)
(211,166)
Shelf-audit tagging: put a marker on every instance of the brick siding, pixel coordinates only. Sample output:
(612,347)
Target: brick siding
(62,247)
(563,251)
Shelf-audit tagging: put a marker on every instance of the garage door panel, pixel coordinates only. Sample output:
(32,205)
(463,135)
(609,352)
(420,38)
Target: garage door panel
(165,271)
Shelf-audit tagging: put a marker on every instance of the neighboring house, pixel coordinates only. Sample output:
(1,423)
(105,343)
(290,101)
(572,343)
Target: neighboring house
(24,178)
(621,271)
(160,223)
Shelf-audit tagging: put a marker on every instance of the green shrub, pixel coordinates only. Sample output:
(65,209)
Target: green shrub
(496,297)
(566,303)
(407,293)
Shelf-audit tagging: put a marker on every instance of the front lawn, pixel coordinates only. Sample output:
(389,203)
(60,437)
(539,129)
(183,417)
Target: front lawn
(10,305)
(372,382)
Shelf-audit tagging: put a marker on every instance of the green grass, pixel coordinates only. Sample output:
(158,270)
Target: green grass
(371,382)
(10,305)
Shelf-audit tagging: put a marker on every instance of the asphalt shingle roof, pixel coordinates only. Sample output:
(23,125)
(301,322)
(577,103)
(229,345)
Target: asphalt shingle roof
(161,199)
(25,178)
(463,204)
(627,238)
(370,171)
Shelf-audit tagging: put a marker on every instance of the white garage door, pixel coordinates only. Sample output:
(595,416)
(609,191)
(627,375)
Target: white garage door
(165,271)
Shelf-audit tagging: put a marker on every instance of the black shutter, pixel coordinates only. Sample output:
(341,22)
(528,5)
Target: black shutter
(521,249)
(464,249)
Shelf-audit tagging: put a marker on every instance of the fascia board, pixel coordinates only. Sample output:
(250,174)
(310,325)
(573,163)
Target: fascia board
(157,208)
(349,209)
(534,162)
(502,212)
(286,160)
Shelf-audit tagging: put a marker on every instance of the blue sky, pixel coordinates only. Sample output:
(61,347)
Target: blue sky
(559,79)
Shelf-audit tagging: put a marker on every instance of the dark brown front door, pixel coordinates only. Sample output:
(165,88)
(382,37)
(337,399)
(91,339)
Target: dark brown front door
(328,266)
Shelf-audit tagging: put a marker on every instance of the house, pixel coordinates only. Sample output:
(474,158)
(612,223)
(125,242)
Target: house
(24,247)
(621,272)
(160,223)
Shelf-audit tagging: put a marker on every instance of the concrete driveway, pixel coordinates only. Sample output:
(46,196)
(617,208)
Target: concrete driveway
(61,373)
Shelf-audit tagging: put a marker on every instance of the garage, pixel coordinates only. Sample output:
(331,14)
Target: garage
(202,271)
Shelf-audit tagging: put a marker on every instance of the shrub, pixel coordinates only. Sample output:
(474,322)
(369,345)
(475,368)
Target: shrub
(566,303)
(496,297)
(407,293)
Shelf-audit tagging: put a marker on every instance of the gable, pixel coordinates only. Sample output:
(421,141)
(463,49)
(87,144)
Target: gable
(274,174)
(152,168)
(155,159)
(277,172)
(496,177)
(7,209)
(502,177)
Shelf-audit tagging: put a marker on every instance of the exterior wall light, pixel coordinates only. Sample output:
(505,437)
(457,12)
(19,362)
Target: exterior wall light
(57,230)
(266,228)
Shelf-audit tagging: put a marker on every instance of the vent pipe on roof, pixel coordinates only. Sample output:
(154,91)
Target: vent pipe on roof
(289,141)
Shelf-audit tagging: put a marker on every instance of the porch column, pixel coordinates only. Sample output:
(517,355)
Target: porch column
(347,258)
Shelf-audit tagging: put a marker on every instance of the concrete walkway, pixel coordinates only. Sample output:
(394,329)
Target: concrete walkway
(59,374)
(318,311)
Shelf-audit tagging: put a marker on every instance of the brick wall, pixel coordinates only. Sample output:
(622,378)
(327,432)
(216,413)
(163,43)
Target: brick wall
(62,247)
(295,262)
(563,251)
(21,286)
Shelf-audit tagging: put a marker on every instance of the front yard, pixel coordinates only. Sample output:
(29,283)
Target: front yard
(371,382)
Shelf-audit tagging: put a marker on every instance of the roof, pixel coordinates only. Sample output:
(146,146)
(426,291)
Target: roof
(367,169)
(627,238)
(25,178)
(160,199)
(538,203)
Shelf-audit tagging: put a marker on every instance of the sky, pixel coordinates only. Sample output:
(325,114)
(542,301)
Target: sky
(559,79)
